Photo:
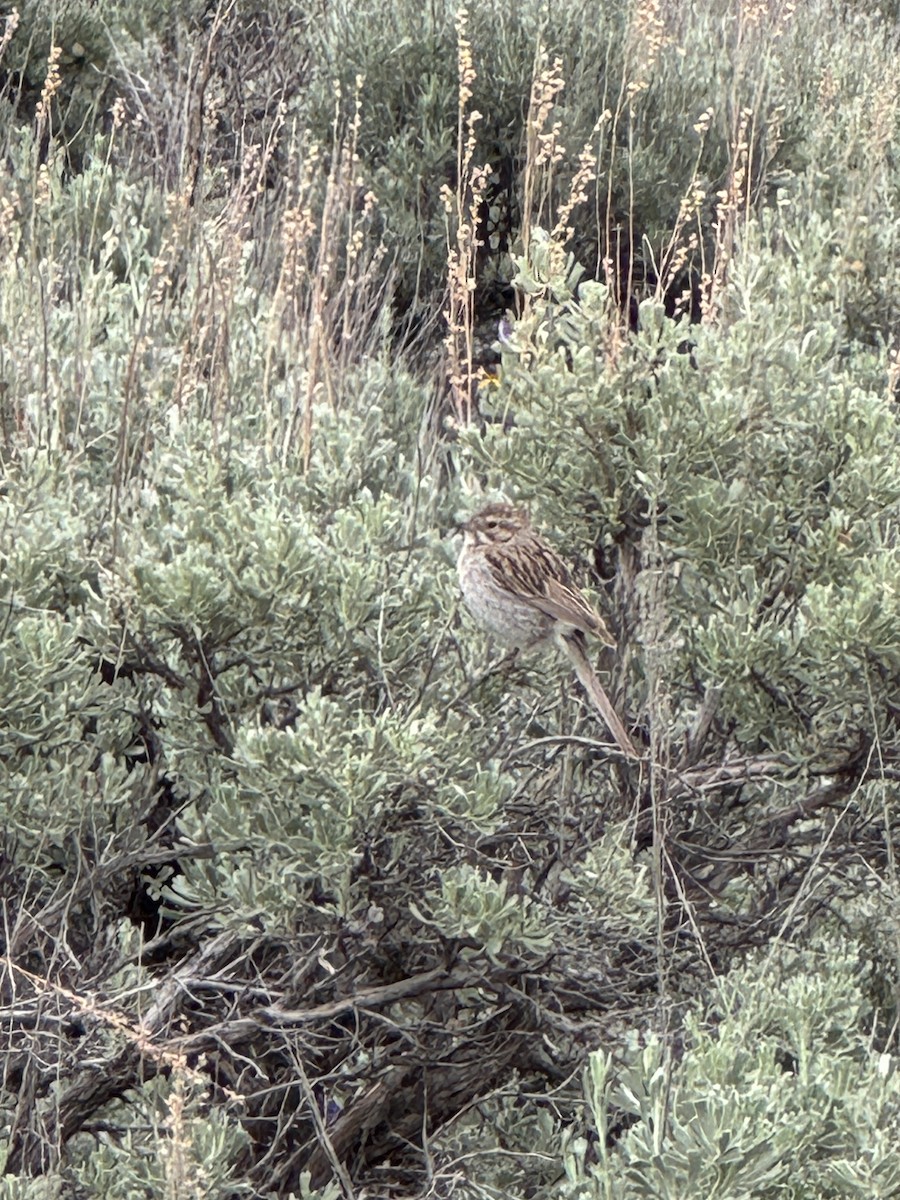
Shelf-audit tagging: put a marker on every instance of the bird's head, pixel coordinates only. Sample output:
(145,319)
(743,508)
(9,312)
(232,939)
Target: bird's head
(495,523)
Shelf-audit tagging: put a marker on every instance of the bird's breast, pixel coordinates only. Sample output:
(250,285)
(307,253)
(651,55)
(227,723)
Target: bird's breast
(509,618)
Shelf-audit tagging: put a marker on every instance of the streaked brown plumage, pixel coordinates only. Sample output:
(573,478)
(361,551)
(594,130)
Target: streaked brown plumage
(519,588)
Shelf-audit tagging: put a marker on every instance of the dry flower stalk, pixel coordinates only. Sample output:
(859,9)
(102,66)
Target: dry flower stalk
(462,208)
(648,36)
(52,83)
(543,148)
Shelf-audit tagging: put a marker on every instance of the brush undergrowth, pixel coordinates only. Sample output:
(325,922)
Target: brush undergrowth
(303,893)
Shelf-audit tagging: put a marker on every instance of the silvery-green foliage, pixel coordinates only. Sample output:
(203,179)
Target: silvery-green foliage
(221,574)
(156,17)
(469,905)
(179,1143)
(43,542)
(50,696)
(776,1091)
(295,807)
(263,570)
(42,1188)
(530,1151)
(612,886)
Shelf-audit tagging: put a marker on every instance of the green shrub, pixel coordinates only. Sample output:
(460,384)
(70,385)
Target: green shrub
(302,886)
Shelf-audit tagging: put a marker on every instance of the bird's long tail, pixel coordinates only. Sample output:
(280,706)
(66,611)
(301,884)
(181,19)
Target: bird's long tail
(576,649)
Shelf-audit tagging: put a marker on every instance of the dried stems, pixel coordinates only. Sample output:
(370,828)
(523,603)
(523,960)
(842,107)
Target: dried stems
(543,147)
(331,285)
(461,206)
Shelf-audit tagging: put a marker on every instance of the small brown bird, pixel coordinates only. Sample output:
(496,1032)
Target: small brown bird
(519,589)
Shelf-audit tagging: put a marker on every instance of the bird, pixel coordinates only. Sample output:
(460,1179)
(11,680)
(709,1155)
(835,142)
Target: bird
(519,589)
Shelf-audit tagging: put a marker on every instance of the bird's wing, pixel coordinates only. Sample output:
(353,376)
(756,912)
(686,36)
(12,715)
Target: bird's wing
(537,575)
